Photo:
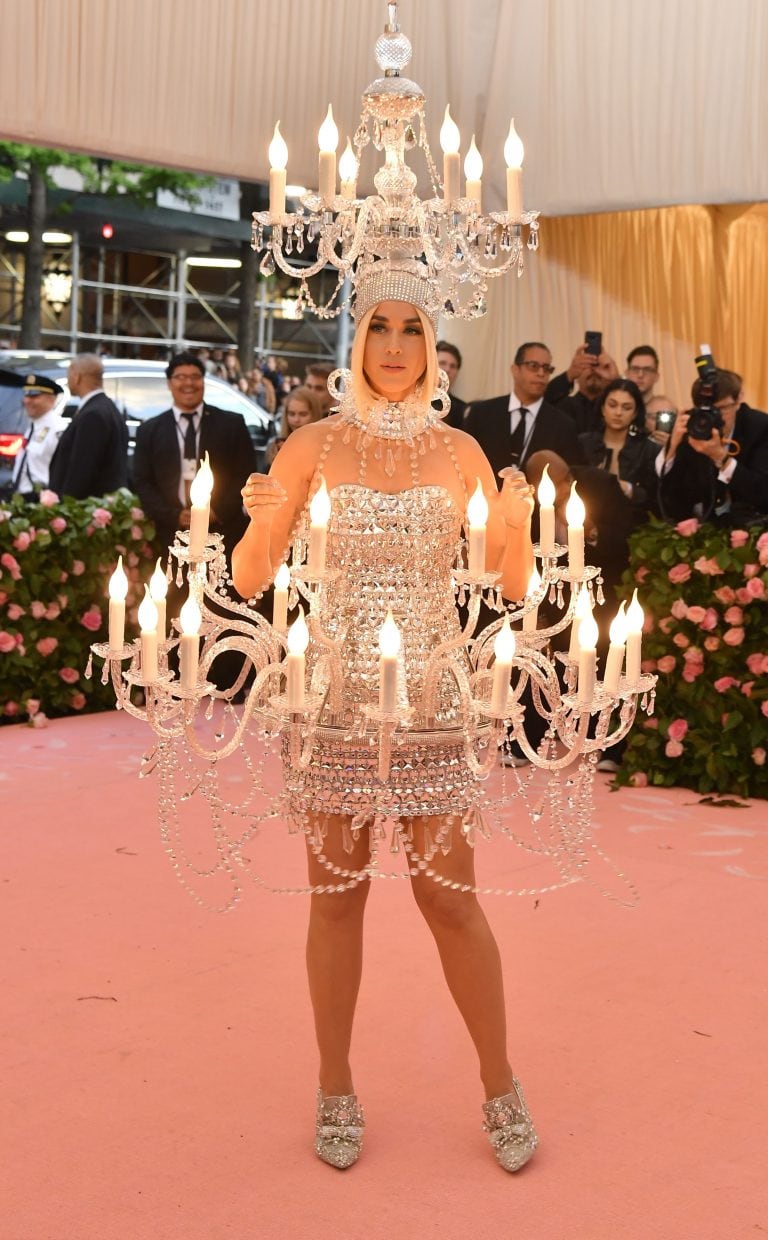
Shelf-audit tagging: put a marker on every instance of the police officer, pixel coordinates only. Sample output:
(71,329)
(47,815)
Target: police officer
(30,473)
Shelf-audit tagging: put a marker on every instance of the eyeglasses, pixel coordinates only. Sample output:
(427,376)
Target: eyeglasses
(725,405)
(642,370)
(539,367)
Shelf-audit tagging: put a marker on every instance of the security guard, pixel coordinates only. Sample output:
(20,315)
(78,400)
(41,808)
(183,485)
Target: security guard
(30,473)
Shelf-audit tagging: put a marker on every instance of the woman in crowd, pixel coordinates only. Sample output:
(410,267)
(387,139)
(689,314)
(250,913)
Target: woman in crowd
(622,445)
(300,407)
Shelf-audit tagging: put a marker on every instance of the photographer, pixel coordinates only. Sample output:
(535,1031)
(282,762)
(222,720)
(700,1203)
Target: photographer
(716,462)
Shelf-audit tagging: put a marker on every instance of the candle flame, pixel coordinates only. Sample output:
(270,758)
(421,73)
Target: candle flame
(504,645)
(320,508)
(298,635)
(513,148)
(118,582)
(148,613)
(202,484)
(473,164)
(546,492)
(277,151)
(477,508)
(588,633)
(190,617)
(389,638)
(282,577)
(635,616)
(450,138)
(328,134)
(348,164)
(618,630)
(158,583)
(574,509)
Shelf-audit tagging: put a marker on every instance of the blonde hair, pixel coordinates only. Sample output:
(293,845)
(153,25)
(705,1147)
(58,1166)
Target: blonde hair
(363,392)
(307,396)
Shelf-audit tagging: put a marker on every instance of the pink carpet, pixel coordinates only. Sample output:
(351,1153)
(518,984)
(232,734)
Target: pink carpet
(159,1066)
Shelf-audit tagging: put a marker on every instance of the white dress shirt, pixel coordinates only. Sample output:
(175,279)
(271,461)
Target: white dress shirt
(34,459)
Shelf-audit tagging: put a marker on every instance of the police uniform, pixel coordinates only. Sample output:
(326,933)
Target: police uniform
(30,472)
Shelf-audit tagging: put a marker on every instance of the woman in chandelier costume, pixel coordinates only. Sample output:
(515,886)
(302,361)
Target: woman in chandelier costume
(391,466)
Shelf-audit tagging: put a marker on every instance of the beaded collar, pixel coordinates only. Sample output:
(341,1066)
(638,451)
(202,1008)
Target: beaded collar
(403,421)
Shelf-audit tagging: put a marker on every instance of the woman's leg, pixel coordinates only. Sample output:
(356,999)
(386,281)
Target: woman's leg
(335,957)
(468,952)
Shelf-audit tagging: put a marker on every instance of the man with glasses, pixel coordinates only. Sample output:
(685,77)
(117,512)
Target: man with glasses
(643,369)
(723,477)
(511,428)
(30,471)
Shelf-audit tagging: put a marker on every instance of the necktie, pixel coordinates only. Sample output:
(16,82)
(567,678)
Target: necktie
(18,475)
(517,439)
(190,450)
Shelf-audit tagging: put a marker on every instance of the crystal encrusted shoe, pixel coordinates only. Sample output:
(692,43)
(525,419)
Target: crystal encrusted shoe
(339,1130)
(510,1129)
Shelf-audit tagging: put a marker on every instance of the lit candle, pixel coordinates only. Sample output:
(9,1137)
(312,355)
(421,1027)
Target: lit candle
(148,627)
(587,660)
(348,172)
(450,141)
(574,515)
(319,515)
(504,651)
(635,620)
(278,160)
(190,619)
(615,660)
(158,588)
(298,640)
(513,156)
(581,611)
(389,665)
(531,618)
(280,598)
(118,589)
(477,516)
(546,497)
(473,171)
(328,140)
(200,495)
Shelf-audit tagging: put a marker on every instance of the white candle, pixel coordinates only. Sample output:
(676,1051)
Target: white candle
(504,651)
(635,620)
(473,171)
(477,516)
(278,160)
(348,172)
(190,619)
(280,598)
(587,660)
(148,627)
(389,665)
(574,515)
(450,141)
(328,140)
(158,588)
(513,155)
(582,610)
(118,589)
(615,660)
(531,618)
(319,516)
(200,495)
(298,640)
(546,497)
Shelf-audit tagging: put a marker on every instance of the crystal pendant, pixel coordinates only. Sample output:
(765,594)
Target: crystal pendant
(409,137)
(362,137)
(267,265)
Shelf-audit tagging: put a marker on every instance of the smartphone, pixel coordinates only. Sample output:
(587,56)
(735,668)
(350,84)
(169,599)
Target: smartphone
(593,343)
(665,419)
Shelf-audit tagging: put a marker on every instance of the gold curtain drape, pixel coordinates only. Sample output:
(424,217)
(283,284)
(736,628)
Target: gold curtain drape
(673,277)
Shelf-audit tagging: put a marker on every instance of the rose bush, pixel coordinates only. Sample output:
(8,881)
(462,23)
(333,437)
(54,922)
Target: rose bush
(55,563)
(712,694)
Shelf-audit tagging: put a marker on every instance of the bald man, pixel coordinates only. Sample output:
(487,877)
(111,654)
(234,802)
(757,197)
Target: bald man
(92,454)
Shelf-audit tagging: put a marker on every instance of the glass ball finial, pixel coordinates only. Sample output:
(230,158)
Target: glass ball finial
(393,52)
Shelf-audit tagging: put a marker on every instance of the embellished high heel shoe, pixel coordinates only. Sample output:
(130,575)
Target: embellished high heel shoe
(339,1130)
(510,1129)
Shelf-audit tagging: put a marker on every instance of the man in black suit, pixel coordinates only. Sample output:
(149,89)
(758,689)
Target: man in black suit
(510,428)
(91,458)
(449,360)
(170,446)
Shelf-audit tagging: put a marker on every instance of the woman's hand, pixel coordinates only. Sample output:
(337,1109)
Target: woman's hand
(262,496)
(515,499)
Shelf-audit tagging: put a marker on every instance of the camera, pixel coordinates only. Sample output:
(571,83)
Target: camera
(704,418)
(665,419)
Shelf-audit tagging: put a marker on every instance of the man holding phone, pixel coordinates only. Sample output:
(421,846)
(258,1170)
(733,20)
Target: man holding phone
(591,369)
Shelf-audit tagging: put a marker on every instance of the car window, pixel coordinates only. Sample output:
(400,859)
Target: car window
(138,396)
(226,397)
(12,416)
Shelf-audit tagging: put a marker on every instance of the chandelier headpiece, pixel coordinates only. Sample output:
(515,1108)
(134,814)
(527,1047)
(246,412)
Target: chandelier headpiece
(397,279)
(458,247)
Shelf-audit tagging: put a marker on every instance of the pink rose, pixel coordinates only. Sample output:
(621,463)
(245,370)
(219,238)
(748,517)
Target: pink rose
(734,615)
(739,538)
(681,640)
(137,514)
(679,609)
(755,588)
(679,573)
(101,517)
(651,724)
(32,706)
(91,619)
(136,533)
(725,683)
(710,620)
(666,624)
(711,643)
(725,595)
(733,637)
(37,609)
(673,749)
(48,499)
(686,528)
(743,595)
(747,688)
(648,623)
(677,729)
(11,708)
(12,564)
(58,525)
(15,612)
(667,663)
(754,661)
(764,708)
(77,701)
(69,675)
(7,642)
(763,556)
(758,756)
(696,614)
(639,779)
(63,576)
(762,541)
(751,570)
(52,611)
(692,671)
(693,655)
(709,568)
(648,665)
(641,574)
(77,568)
(22,541)
(46,645)
(3,597)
